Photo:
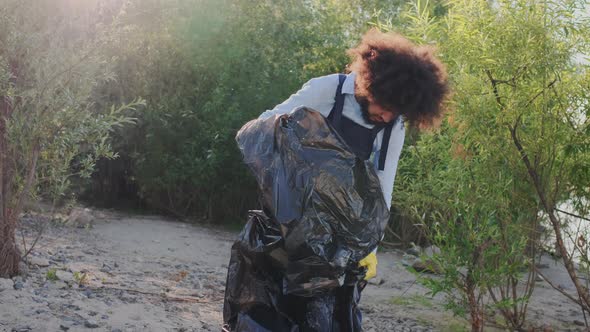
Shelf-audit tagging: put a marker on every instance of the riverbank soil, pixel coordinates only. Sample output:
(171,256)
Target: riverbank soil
(121,272)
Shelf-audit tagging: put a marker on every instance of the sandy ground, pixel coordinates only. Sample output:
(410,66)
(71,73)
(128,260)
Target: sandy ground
(147,273)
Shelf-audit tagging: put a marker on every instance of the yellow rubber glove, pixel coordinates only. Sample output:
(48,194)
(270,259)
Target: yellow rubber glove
(370,262)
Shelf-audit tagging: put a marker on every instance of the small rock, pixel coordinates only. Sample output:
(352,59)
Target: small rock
(39,261)
(58,284)
(116,265)
(116,330)
(61,258)
(6,284)
(579,322)
(105,268)
(64,327)
(431,251)
(73,307)
(92,313)
(64,275)
(23,328)
(91,324)
(53,306)
(373,281)
(88,293)
(19,285)
(414,250)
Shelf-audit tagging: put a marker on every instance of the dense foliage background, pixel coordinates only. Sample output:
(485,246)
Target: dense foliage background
(205,68)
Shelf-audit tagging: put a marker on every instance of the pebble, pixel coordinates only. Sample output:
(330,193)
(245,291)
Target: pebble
(39,261)
(59,258)
(579,323)
(23,328)
(59,284)
(73,307)
(19,285)
(64,275)
(91,323)
(88,293)
(6,284)
(105,268)
(414,251)
(64,327)
(373,281)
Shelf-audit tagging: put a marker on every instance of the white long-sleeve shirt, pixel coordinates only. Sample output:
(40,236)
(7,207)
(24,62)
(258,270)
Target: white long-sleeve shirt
(318,94)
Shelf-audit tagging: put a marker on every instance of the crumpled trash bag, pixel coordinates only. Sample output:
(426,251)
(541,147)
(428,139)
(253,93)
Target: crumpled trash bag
(295,264)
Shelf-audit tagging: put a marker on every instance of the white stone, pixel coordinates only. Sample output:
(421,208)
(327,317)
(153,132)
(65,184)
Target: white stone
(64,275)
(6,284)
(39,261)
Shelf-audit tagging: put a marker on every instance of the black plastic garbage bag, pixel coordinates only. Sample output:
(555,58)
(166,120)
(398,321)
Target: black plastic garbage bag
(294,266)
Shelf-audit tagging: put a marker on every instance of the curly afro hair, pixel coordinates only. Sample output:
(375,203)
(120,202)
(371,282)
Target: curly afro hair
(395,73)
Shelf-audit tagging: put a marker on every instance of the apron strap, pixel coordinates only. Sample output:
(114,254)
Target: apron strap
(385,144)
(336,112)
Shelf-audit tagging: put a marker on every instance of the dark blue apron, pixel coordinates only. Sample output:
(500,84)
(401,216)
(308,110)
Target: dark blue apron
(360,139)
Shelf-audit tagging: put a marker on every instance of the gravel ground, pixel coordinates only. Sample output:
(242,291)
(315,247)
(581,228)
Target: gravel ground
(116,272)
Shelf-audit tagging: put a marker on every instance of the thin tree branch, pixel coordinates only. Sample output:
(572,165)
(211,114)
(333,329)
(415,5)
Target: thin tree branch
(549,209)
(495,88)
(29,182)
(557,288)
(541,92)
(572,214)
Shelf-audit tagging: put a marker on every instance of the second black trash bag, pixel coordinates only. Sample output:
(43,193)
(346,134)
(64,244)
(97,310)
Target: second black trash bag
(323,211)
